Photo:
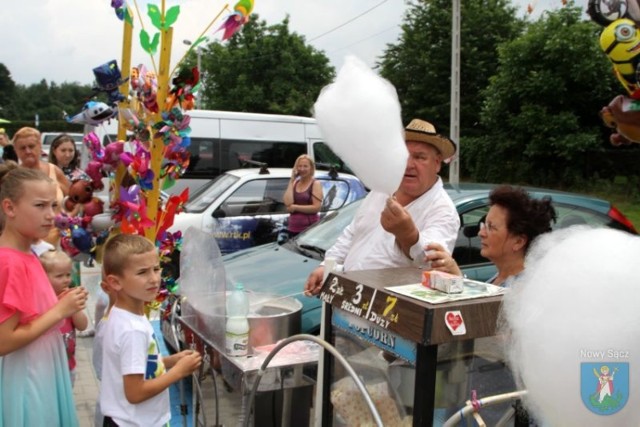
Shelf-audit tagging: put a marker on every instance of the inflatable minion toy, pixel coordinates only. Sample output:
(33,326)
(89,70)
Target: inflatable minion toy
(620,41)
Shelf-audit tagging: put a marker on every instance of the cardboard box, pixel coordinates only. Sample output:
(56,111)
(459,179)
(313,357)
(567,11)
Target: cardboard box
(443,282)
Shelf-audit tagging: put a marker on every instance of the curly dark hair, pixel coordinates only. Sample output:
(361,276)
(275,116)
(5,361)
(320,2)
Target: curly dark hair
(526,215)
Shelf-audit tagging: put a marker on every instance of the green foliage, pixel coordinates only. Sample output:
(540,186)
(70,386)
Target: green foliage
(264,69)
(540,114)
(171,17)
(155,15)
(21,103)
(419,65)
(148,45)
(7,90)
(127,16)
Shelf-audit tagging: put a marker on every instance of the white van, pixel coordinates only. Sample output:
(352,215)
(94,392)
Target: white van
(225,140)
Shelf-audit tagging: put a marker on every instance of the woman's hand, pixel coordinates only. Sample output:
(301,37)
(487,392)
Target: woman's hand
(441,260)
(291,208)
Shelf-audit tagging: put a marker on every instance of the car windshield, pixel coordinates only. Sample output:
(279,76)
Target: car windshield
(324,235)
(206,194)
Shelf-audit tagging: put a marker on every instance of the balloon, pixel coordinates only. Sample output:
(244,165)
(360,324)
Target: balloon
(94,170)
(81,239)
(623,115)
(619,41)
(94,207)
(359,116)
(80,191)
(604,12)
(112,153)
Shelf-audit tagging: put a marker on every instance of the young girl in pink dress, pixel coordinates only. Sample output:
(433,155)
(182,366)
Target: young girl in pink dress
(35,388)
(58,267)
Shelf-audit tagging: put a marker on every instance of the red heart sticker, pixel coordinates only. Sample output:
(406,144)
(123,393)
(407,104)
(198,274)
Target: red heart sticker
(455,322)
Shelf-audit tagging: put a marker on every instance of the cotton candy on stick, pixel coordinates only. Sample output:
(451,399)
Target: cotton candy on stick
(359,116)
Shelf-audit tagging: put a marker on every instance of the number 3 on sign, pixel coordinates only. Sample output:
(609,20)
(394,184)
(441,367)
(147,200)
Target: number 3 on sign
(391,302)
(358,295)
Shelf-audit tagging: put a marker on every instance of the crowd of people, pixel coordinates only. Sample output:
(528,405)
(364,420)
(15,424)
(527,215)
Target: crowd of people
(40,310)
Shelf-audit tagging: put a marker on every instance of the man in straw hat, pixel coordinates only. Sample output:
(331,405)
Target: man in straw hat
(420,212)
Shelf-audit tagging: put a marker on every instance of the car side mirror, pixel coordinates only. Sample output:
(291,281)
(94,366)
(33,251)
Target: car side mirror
(471,231)
(219,213)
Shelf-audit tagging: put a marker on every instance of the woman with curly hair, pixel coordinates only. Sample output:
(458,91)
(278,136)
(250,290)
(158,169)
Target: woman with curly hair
(514,220)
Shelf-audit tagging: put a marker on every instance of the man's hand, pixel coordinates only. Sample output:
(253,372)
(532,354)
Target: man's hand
(314,282)
(396,220)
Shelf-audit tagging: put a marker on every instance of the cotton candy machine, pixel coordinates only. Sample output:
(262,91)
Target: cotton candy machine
(198,320)
(271,317)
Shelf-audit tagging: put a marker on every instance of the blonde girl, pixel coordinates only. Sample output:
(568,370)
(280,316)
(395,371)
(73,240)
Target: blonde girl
(35,386)
(303,197)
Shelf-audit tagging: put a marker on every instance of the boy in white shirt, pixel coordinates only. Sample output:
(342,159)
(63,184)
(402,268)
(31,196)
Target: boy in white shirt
(134,387)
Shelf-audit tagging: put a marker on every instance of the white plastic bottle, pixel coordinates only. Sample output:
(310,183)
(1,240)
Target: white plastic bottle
(237,328)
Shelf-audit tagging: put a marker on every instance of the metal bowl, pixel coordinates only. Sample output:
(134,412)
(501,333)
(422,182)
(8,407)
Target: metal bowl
(271,317)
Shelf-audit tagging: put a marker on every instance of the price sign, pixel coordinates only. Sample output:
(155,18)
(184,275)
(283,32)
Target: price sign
(352,297)
(383,310)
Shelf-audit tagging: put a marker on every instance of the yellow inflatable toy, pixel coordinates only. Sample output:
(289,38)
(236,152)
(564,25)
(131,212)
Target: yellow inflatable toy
(620,41)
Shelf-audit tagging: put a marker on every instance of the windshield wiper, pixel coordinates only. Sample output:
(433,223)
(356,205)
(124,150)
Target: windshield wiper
(313,248)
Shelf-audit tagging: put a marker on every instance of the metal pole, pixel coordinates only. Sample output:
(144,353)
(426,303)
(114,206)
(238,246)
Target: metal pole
(454,125)
(199,97)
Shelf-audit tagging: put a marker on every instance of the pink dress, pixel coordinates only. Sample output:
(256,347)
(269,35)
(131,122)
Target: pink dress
(35,386)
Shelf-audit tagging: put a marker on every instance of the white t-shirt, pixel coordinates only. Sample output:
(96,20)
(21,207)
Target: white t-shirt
(130,347)
(98,347)
(365,245)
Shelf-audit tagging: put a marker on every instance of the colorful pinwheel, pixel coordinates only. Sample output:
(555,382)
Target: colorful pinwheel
(185,84)
(237,19)
(174,130)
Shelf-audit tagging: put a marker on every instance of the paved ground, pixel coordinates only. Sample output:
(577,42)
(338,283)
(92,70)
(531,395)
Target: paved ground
(86,386)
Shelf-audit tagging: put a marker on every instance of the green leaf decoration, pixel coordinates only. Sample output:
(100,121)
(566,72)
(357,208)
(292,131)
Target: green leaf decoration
(144,41)
(155,42)
(127,17)
(171,17)
(200,40)
(148,45)
(168,183)
(155,15)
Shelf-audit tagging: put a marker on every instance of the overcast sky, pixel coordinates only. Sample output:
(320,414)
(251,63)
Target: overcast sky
(63,40)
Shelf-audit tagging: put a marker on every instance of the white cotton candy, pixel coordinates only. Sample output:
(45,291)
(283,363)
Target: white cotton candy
(359,116)
(577,302)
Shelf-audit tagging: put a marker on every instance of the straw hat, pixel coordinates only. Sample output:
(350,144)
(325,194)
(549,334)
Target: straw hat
(422,131)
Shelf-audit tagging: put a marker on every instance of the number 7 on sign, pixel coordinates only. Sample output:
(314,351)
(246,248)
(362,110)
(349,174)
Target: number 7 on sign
(391,302)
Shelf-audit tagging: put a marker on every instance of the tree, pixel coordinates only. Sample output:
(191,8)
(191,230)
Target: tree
(264,69)
(541,108)
(7,90)
(419,65)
